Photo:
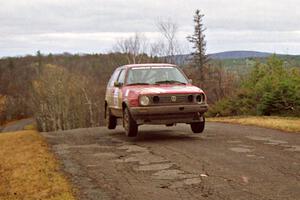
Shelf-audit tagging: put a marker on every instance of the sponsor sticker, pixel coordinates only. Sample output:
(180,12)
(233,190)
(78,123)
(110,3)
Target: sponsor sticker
(185,88)
(153,90)
(116,96)
(126,93)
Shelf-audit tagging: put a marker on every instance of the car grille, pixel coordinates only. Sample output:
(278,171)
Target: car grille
(177,99)
(171,99)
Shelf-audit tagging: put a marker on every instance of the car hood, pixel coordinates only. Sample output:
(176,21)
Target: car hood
(164,89)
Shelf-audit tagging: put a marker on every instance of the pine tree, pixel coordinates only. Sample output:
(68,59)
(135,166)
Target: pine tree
(199,44)
(39,61)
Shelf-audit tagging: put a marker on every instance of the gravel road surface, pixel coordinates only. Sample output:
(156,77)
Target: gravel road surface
(225,162)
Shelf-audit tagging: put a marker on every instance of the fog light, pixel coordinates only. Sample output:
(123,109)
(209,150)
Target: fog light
(190,98)
(155,99)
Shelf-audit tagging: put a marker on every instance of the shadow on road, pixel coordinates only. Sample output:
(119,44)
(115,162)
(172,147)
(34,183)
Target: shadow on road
(157,135)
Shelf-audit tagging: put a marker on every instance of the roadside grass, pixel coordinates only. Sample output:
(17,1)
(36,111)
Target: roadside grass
(30,127)
(288,124)
(28,170)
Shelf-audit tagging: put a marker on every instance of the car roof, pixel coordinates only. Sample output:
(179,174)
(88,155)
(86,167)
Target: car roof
(150,65)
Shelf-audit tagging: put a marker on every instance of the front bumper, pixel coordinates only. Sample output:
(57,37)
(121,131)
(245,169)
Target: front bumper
(169,114)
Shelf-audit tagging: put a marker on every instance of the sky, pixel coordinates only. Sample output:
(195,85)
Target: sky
(94,26)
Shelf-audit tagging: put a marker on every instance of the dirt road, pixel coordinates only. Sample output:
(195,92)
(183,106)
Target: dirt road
(226,162)
(17,126)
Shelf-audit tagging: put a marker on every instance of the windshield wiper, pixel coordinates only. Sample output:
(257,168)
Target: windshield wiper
(138,84)
(170,82)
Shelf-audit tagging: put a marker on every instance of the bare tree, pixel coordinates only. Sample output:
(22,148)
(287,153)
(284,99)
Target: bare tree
(62,100)
(169,30)
(157,49)
(217,82)
(134,47)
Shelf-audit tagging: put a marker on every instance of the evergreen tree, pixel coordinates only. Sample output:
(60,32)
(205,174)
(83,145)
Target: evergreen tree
(39,61)
(199,44)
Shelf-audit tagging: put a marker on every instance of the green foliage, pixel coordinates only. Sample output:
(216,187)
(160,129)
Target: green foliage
(240,103)
(270,89)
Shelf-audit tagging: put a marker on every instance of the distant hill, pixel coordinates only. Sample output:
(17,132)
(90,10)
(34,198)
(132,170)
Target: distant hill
(183,59)
(239,55)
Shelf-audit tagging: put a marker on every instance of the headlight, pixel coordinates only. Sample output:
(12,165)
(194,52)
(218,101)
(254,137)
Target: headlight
(200,98)
(144,100)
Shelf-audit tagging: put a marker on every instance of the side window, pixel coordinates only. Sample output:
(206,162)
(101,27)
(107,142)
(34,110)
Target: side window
(121,78)
(113,78)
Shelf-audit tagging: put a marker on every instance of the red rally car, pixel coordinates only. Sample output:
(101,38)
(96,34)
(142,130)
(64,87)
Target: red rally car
(153,94)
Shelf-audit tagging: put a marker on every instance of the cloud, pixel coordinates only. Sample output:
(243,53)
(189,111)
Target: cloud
(93,25)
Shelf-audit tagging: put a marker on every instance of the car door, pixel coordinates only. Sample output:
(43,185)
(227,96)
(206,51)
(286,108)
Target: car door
(109,97)
(117,96)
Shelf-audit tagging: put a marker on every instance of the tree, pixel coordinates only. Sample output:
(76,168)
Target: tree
(270,89)
(63,100)
(169,31)
(199,44)
(134,47)
(39,61)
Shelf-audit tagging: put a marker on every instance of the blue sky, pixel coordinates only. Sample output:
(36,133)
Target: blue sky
(93,26)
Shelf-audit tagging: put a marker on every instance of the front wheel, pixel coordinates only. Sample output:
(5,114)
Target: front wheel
(198,127)
(130,126)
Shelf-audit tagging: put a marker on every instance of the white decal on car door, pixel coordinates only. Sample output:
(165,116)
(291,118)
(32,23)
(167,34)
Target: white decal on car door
(116,97)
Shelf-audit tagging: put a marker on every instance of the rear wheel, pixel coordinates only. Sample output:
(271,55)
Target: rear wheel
(130,126)
(198,127)
(111,121)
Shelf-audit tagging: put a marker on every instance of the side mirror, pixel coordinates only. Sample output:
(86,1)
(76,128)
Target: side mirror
(117,84)
(190,81)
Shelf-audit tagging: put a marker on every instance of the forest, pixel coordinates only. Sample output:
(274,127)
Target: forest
(66,91)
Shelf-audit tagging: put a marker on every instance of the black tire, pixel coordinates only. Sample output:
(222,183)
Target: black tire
(111,121)
(130,126)
(169,125)
(198,127)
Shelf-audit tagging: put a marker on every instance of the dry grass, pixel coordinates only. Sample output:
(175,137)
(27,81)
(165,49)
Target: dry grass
(28,170)
(279,123)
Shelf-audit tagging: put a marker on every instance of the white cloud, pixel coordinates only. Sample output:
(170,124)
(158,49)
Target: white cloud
(93,25)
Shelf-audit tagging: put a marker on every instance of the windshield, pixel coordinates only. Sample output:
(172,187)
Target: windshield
(155,75)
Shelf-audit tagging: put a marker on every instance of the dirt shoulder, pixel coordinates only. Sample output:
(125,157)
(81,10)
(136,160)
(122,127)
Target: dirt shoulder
(226,162)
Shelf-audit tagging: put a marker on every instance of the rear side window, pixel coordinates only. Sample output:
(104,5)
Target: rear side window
(114,77)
